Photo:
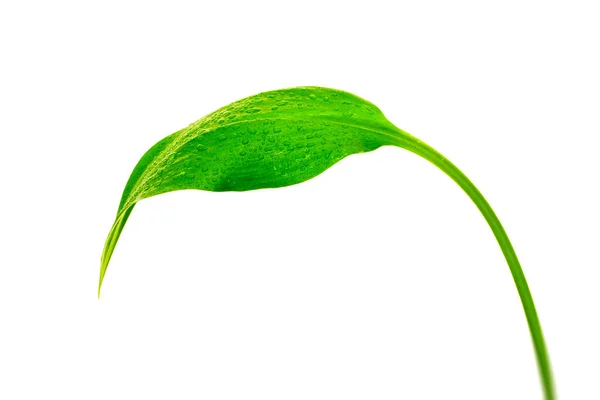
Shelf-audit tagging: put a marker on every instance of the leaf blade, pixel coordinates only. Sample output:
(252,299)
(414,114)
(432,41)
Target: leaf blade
(269,140)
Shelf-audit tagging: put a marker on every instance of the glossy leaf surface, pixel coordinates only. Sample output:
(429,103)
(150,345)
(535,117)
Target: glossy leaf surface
(270,140)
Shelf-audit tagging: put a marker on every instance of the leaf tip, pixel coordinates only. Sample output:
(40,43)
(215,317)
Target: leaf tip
(99,287)
(111,242)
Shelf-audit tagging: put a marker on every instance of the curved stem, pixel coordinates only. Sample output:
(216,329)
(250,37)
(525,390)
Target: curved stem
(422,149)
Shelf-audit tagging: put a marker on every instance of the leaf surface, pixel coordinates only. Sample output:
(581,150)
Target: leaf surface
(269,140)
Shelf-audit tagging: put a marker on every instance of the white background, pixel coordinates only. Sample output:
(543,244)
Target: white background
(376,280)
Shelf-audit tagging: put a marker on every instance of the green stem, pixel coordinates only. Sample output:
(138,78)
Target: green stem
(418,147)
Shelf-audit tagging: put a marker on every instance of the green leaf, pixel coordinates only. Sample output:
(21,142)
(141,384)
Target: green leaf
(285,137)
(270,140)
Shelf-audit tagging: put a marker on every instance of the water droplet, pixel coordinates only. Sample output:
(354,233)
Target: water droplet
(282,103)
(276,129)
(245,141)
(274,108)
(243,153)
(312,96)
(222,137)
(221,121)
